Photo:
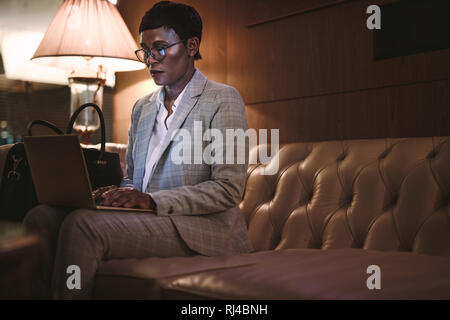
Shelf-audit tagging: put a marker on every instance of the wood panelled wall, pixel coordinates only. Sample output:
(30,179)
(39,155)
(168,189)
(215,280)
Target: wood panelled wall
(306,67)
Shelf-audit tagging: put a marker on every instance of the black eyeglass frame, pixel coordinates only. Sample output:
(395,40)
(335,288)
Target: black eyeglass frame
(150,52)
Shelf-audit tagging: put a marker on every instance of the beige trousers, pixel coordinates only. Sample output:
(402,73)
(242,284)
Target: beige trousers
(87,238)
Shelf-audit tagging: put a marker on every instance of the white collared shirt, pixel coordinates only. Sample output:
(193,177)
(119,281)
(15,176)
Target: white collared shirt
(159,132)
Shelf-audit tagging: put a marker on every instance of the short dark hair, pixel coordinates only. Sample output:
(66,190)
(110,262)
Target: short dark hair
(183,19)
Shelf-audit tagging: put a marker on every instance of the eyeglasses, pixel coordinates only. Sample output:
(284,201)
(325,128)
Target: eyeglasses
(158,53)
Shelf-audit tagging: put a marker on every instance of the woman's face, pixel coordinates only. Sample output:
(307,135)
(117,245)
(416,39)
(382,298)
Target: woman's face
(178,61)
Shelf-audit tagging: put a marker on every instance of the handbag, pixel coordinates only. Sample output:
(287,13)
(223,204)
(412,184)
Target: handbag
(17,193)
(103,167)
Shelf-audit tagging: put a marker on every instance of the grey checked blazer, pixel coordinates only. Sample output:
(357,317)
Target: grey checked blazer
(200,199)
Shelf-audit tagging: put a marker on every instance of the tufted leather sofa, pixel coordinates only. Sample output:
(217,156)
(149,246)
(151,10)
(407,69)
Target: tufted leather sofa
(333,211)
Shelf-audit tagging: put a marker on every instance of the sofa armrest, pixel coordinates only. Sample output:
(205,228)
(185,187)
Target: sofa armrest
(3,153)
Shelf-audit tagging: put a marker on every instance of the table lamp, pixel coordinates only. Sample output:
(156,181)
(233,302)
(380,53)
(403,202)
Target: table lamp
(88,38)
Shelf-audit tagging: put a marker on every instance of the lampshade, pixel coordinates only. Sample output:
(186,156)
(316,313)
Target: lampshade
(87,38)
(91,29)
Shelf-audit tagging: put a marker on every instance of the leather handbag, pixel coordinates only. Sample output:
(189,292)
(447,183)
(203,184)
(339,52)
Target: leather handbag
(17,193)
(44,123)
(103,167)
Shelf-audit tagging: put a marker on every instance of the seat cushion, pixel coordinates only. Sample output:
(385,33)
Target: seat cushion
(144,278)
(321,274)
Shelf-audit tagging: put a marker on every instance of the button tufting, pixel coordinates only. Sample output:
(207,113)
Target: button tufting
(394,200)
(392,203)
(432,154)
(341,157)
(384,154)
(358,244)
(347,200)
(350,199)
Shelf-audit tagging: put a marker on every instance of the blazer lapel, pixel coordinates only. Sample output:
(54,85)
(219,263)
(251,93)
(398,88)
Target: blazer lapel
(145,129)
(188,101)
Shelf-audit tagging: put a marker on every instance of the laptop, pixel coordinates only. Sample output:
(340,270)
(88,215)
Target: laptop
(60,174)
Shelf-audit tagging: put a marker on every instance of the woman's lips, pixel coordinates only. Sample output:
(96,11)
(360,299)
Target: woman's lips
(155,72)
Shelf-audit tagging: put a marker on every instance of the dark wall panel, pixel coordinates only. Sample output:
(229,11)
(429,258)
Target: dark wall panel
(411,27)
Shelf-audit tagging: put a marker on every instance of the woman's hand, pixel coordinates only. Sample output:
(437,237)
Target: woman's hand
(97,194)
(127,198)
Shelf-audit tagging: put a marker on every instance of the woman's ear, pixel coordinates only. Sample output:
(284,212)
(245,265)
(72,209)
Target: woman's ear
(193,46)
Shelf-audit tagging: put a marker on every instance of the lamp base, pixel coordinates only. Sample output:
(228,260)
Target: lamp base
(85,136)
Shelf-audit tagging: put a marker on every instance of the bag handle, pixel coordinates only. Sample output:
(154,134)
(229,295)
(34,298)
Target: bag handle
(102,125)
(43,123)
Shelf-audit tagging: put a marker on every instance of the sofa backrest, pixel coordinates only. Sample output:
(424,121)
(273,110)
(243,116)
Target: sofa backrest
(381,194)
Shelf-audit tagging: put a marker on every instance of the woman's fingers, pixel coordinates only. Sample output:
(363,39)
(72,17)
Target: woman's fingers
(126,197)
(100,191)
(116,197)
